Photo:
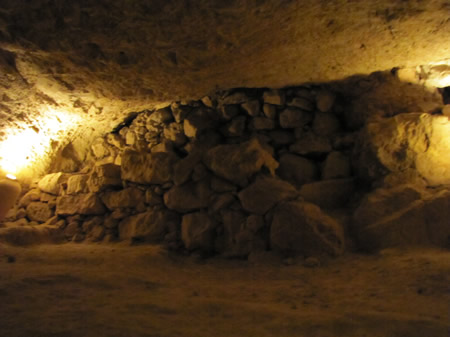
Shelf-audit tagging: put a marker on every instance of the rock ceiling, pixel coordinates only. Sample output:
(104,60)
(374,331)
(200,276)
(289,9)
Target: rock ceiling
(74,69)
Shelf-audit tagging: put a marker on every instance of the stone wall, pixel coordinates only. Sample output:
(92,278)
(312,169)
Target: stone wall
(243,171)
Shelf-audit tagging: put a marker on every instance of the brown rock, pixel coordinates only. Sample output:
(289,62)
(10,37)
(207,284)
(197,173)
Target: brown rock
(146,168)
(291,118)
(129,197)
(221,185)
(228,112)
(197,231)
(297,170)
(103,177)
(265,193)
(325,100)
(184,167)
(238,162)
(152,198)
(87,204)
(77,184)
(275,97)
(32,195)
(197,122)
(39,211)
(301,103)
(270,111)
(97,233)
(89,224)
(188,197)
(236,127)
(337,165)
(175,133)
(282,137)
(311,144)
(302,228)
(333,193)
(263,123)
(253,107)
(148,227)
(325,124)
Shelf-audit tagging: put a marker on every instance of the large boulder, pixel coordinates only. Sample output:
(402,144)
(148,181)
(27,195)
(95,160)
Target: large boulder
(297,170)
(39,211)
(311,144)
(302,228)
(197,231)
(148,168)
(86,204)
(148,227)
(265,193)
(129,197)
(407,222)
(188,197)
(184,167)
(406,141)
(51,183)
(103,177)
(237,162)
(332,193)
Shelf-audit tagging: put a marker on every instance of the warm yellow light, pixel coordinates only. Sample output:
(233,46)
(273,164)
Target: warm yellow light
(27,143)
(11,176)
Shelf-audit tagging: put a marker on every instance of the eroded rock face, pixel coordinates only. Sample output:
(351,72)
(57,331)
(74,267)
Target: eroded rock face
(302,228)
(87,204)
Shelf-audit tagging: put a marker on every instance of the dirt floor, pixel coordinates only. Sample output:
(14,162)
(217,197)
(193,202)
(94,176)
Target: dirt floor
(117,290)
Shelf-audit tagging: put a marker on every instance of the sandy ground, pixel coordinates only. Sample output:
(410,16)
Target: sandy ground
(116,290)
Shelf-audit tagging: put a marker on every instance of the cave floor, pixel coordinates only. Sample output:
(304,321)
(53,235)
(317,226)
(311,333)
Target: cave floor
(117,290)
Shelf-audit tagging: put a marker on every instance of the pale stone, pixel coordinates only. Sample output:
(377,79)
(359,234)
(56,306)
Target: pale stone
(32,195)
(146,168)
(39,211)
(175,133)
(265,193)
(297,170)
(238,162)
(333,193)
(77,184)
(197,231)
(51,183)
(100,149)
(129,197)
(115,140)
(302,228)
(235,98)
(86,204)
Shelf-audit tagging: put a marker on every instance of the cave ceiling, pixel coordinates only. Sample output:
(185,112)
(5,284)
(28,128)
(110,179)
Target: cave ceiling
(86,65)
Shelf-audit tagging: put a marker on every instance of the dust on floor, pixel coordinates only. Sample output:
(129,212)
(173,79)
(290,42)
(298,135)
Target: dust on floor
(115,290)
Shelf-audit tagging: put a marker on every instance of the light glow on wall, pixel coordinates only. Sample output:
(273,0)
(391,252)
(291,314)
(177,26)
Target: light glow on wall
(27,144)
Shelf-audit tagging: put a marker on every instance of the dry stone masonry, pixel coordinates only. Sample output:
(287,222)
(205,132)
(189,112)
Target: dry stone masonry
(250,170)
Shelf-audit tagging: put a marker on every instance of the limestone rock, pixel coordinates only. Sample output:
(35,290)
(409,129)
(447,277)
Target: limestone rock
(71,230)
(333,193)
(165,146)
(184,167)
(270,111)
(161,116)
(422,222)
(188,197)
(407,141)
(148,227)
(325,100)
(89,224)
(115,140)
(301,103)
(291,118)
(103,177)
(97,233)
(77,183)
(263,123)
(145,168)
(275,97)
(238,162)
(336,165)
(32,195)
(100,149)
(302,228)
(129,197)
(197,231)
(297,170)
(87,204)
(175,133)
(265,193)
(383,202)
(252,107)
(179,111)
(197,122)
(311,144)
(51,183)
(325,124)
(236,127)
(39,211)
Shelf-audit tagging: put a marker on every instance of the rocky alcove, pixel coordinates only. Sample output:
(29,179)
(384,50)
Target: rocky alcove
(273,169)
